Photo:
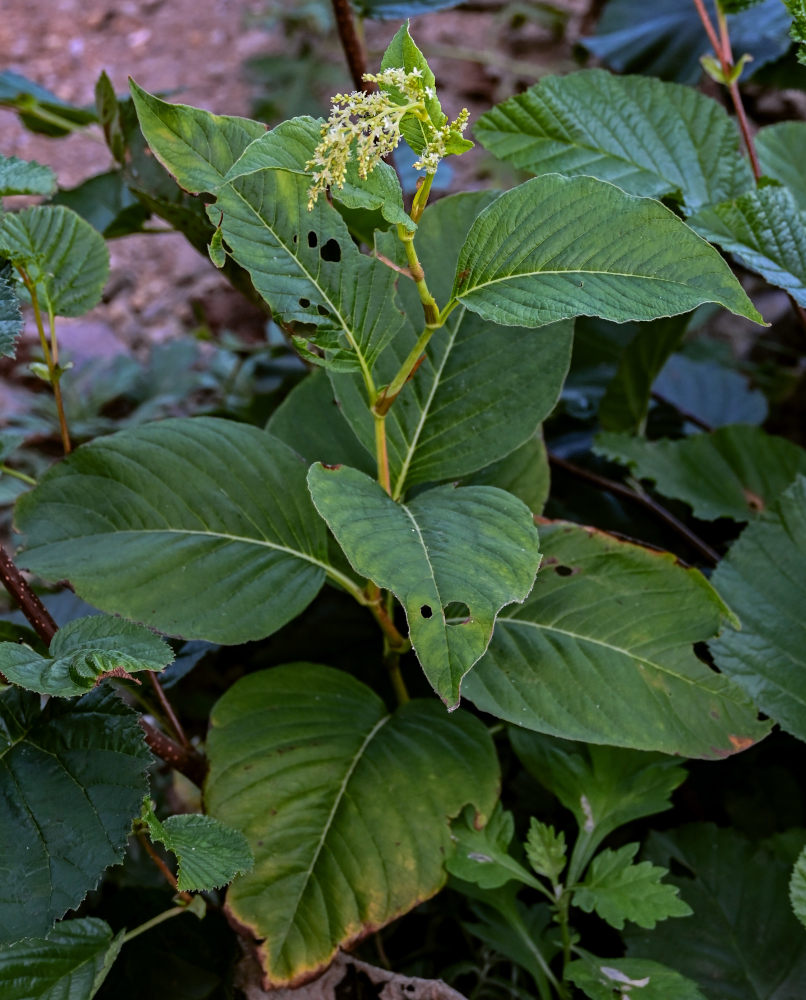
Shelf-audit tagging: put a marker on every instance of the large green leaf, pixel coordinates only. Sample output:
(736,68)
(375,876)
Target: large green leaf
(360,802)
(766,232)
(797,888)
(475,546)
(199,527)
(72,777)
(649,138)
(64,256)
(600,978)
(706,390)
(556,247)
(743,942)
(69,964)
(82,653)
(571,663)
(24,177)
(781,149)
(764,581)
(524,472)
(10,316)
(194,145)
(734,472)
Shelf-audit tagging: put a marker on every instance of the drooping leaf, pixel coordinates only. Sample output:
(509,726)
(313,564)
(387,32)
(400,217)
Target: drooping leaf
(25,177)
(682,144)
(742,942)
(72,777)
(475,546)
(604,787)
(763,579)
(70,963)
(222,501)
(781,149)
(481,855)
(710,392)
(600,978)
(65,258)
(570,663)
(797,888)
(545,849)
(195,146)
(210,853)
(82,653)
(10,316)
(556,247)
(734,472)
(766,232)
(618,890)
(360,804)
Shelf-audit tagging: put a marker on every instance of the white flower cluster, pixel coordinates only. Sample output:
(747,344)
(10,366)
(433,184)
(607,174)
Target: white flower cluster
(437,148)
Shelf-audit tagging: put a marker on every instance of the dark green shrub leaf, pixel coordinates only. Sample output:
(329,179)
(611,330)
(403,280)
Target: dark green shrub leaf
(716,395)
(345,806)
(545,849)
(797,9)
(69,964)
(781,149)
(600,978)
(579,124)
(82,653)
(107,203)
(399,10)
(556,247)
(475,545)
(797,888)
(72,777)
(10,316)
(481,855)
(222,501)
(24,177)
(619,890)
(734,472)
(762,579)
(569,662)
(524,473)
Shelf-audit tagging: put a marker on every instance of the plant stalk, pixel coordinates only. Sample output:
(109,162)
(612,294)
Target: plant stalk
(351,43)
(154,921)
(16,474)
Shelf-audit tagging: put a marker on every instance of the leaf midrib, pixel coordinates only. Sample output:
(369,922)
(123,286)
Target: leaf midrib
(532,274)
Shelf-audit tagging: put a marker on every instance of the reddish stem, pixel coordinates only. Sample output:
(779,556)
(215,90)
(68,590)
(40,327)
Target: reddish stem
(351,43)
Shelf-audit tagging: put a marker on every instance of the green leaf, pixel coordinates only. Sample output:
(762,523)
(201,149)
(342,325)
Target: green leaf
(360,802)
(82,653)
(70,963)
(107,203)
(797,888)
(545,849)
(619,890)
(781,149)
(25,177)
(195,146)
(737,6)
(403,52)
(524,472)
(10,316)
(210,853)
(743,942)
(734,472)
(715,394)
(65,258)
(569,662)
(632,977)
(556,247)
(221,501)
(481,855)
(291,145)
(475,545)
(683,145)
(72,777)
(765,231)
(39,109)
(604,787)
(762,578)
(797,8)
(395,10)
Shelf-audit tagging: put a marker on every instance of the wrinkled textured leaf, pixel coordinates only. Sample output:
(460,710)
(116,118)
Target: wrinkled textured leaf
(765,231)
(360,804)
(545,849)
(72,777)
(781,149)
(764,581)
(797,888)
(556,247)
(734,472)
(64,256)
(743,942)
(569,662)
(482,856)
(681,143)
(10,317)
(619,890)
(637,977)
(69,964)
(25,177)
(222,501)
(82,652)
(475,545)
(716,395)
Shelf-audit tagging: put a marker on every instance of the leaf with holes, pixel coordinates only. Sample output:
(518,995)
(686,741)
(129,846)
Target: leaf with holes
(569,662)
(475,546)
(556,247)
(72,777)
(25,177)
(734,472)
(361,802)
(681,144)
(70,963)
(221,501)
